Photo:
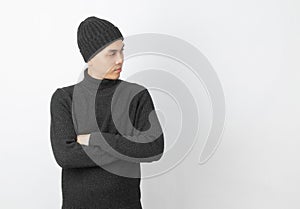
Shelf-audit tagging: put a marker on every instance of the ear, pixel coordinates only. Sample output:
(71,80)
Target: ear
(90,63)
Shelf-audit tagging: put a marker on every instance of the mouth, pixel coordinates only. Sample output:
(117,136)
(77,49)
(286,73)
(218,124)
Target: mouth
(118,70)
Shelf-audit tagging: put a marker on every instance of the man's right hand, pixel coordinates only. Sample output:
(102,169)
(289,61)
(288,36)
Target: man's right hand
(83,139)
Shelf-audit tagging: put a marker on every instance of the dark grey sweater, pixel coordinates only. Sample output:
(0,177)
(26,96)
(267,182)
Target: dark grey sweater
(124,133)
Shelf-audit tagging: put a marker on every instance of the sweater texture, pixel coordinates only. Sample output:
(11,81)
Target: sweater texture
(105,174)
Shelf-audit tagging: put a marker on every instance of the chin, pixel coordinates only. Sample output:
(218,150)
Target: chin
(115,77)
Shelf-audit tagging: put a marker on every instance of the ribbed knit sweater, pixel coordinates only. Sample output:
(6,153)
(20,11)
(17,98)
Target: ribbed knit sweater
(105,174)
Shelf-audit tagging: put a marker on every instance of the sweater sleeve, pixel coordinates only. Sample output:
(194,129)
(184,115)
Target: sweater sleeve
(147,142)
(67,152)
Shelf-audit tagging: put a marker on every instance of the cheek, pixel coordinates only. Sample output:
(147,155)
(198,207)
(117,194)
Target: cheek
(108,66)
(100,64)
(105,63)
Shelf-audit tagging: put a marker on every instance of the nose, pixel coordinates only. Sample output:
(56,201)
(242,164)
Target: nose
(120,58)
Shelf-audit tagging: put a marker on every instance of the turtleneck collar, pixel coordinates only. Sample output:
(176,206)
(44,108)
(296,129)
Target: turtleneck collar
(95,83)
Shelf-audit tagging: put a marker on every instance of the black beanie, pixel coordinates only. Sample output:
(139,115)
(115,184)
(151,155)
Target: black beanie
(94,34)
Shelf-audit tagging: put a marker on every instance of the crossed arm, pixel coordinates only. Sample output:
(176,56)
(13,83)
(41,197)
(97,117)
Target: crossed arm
(70,150)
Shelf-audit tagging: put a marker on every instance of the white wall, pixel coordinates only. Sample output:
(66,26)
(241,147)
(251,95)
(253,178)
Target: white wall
(253,47)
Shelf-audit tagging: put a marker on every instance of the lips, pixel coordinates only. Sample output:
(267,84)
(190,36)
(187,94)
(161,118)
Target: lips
(119,69)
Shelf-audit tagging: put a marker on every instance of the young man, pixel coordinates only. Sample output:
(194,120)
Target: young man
(103,127)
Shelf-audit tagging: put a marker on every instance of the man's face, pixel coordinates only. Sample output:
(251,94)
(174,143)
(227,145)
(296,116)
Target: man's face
(107,61)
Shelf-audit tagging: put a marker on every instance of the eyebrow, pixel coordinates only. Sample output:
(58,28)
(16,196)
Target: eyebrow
(114,50)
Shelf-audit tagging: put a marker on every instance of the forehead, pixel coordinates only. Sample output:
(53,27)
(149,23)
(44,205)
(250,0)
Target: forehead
(116,45)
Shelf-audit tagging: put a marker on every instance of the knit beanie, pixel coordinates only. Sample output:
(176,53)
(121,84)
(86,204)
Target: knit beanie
(94,34)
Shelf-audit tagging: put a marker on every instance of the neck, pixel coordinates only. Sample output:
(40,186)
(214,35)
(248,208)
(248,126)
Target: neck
(93,82)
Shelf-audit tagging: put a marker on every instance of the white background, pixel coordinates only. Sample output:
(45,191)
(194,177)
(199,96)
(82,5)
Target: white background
(253,47)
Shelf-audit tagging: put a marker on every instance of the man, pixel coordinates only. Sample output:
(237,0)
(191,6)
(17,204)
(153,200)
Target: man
(103,127)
